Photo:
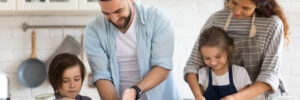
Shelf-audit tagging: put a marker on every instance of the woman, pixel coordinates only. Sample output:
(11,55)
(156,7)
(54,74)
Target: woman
(258,28)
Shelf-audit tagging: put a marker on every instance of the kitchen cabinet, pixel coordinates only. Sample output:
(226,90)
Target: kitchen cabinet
(7,5)
(47,5)
(88,5)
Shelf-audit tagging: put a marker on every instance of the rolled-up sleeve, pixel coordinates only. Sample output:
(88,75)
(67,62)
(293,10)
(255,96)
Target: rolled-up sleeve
(272,57)
(162,42)
(97,57)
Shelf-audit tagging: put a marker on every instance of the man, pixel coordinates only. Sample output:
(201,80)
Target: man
(130,48)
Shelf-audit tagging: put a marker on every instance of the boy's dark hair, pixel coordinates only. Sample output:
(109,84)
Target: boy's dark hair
(58,66)
(215,36)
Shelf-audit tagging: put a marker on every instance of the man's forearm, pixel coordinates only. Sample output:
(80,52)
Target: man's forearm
(106,90)
(154,77)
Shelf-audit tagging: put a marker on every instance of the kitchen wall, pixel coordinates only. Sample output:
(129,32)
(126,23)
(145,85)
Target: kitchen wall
(187,16)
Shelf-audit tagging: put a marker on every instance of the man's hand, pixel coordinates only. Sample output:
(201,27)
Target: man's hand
(129,94)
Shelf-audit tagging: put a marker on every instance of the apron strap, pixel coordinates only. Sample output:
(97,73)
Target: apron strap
(229,72)
(210,77)
(253,27)
(230,75)
(228,21)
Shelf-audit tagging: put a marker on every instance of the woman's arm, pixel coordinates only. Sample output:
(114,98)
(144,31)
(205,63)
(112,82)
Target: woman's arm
(245,94)
(254,90)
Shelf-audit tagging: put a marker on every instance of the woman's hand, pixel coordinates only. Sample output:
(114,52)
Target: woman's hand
(129,94)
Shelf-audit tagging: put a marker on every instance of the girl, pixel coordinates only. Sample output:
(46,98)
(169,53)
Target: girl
(220,78)
(258,28)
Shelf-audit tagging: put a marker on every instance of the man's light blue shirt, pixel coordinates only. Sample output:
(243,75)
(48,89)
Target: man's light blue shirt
(155,44)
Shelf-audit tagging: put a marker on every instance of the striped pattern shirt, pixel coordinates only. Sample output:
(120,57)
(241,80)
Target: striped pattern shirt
(260,55)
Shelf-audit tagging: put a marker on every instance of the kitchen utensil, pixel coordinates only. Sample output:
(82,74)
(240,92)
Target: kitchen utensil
(32,72)
(69,45)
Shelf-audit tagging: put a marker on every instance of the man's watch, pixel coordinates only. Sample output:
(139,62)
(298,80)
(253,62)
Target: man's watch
(138,91)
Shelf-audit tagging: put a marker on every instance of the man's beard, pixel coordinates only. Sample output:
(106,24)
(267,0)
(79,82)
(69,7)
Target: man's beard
(127,19)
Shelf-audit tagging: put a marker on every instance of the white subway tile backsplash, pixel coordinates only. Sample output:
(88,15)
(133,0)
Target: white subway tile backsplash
(74,32)
(20,43)
(21,55)
(40,33)
(42,89)
(78,20)
(46,20)
(294,92)
(48,43)
(286,68)
(5,33)
(295,69)
(16,89)
(18,32)
(9,67)
(291,81)
(6,56)
(56,33)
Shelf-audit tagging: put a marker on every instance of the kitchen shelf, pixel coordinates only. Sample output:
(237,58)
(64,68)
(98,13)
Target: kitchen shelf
(7,5)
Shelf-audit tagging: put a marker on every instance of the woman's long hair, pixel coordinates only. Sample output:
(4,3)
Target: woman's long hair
(267,8)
